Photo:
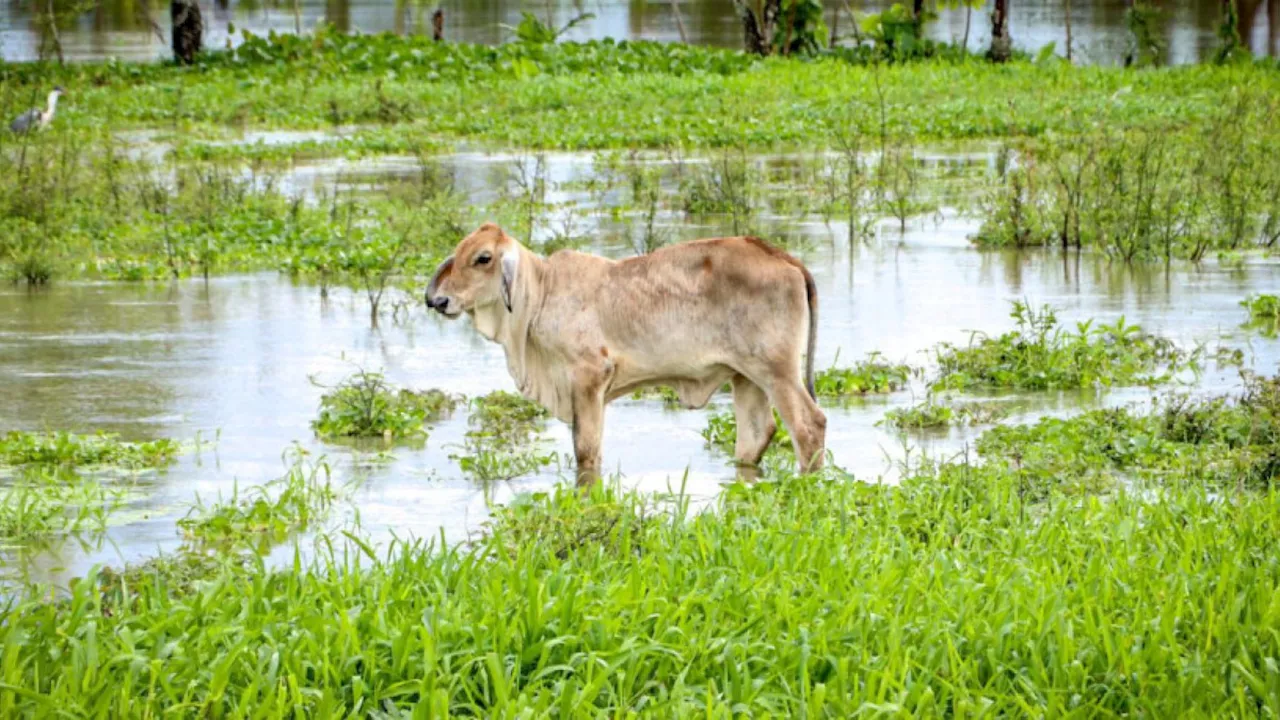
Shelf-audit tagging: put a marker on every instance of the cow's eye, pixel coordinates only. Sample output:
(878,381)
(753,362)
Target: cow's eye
(483,259)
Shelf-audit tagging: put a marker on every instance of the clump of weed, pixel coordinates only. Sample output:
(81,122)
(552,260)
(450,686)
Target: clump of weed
(501,442)
(42,502)
(73,450)
(1221,442)
(872,375)
(1041,355)
(366,405)
(670,398)
(934,415)
(566,520)
(1264,313)
(265,514)
(721,433)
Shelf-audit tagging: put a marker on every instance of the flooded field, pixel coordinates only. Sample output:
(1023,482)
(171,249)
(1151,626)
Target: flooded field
(240,360)
(1099,33)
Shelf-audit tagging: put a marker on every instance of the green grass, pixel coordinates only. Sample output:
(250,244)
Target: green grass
(74,450)
(1218,443)
(366,405)
(41,503)
(931,414)
(264,515)
(807,597)
(1042,355)
(872,375)
(1264,313)
(503,440)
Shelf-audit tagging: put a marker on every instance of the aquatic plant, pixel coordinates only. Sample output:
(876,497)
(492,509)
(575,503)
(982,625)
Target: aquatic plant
(366,405)
(501,443)
(1041,355)
(1264,313)
(873,374)
(931,414)
(41,503)
(262,515)
(1221,442)
(721,433)
(74,450)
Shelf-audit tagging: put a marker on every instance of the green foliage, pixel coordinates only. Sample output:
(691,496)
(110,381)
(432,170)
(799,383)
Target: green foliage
(366,405)
(72,450)
(721,433)
(1042,355)
(792,579)
(1146,45)
(1226,443)
(533,31)
(932,415)
(266,514)
(501,443)
(872,375)
(801,29)
(1264,313)
(40,503)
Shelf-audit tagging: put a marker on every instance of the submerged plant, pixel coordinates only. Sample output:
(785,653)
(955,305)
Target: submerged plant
(501,443)
(366,405)
(39,503)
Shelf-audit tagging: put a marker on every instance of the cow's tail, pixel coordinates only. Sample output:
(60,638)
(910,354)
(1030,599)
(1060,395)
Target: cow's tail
(811,292)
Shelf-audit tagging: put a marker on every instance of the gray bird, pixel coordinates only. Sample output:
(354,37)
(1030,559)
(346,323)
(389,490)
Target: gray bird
(35,117)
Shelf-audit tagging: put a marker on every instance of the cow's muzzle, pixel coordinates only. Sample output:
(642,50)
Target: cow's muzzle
(438,303)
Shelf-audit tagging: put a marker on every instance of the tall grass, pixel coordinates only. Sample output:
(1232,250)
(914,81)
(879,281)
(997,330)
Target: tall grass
(952,593)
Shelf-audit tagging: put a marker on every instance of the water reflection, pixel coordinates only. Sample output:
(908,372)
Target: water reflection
(136,29)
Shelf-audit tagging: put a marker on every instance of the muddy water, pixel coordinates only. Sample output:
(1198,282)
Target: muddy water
(242,359)
(116,29)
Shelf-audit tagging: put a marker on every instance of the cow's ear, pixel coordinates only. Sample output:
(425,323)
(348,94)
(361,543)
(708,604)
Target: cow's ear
(510,263)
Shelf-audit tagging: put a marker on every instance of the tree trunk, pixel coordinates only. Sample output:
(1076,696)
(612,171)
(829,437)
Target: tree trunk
(758,31)
(437,25)
(1001,43)
(188,30)
(1067,19)
(917,14)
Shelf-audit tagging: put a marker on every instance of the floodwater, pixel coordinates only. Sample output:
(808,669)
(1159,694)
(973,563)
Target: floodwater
(129,30)
(242,359)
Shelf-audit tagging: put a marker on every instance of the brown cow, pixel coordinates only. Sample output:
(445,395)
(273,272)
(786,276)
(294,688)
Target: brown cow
(580,330)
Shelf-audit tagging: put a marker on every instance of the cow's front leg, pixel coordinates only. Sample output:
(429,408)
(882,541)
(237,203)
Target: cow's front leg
(588,419)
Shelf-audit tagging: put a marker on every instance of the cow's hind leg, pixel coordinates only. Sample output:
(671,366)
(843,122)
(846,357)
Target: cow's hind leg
(803,419)
(754,417)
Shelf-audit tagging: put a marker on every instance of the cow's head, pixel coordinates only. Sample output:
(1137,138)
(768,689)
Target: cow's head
(481,272)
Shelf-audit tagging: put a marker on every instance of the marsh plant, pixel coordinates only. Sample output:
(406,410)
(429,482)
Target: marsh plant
(872,375)
(934,415)
(39,503)
(1040,354)
(724,185)
(67,449)
(1264,313)
(366,405)
(265,514)
(502,442)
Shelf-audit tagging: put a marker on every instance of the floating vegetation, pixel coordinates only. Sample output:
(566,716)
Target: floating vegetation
(1264,313)
(366,405)
(501,443)
(1219,443)
(1042,355)
(73,450)
(931,414)
(265,514)
(872,375)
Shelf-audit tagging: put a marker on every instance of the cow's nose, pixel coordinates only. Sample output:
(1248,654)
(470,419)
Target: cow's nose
(437,303)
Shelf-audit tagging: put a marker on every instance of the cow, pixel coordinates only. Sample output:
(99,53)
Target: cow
(580,330)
